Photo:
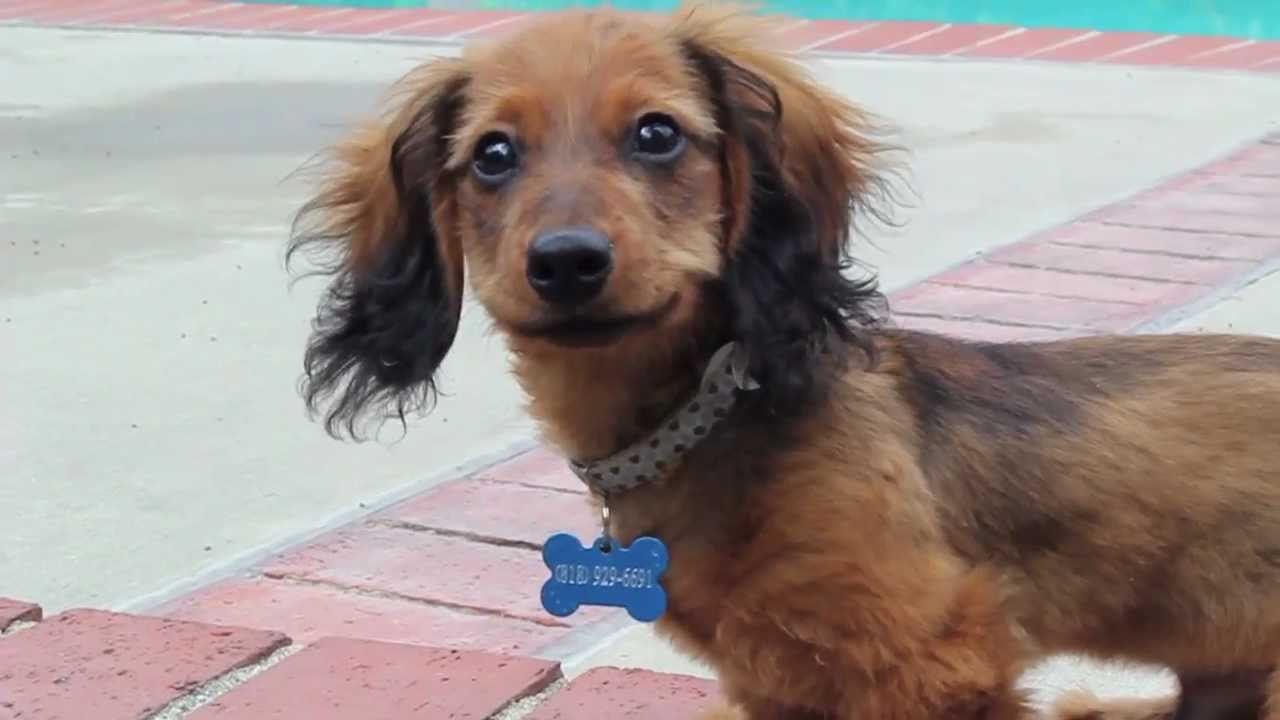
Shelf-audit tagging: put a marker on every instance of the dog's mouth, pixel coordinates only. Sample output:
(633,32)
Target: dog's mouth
(597,330)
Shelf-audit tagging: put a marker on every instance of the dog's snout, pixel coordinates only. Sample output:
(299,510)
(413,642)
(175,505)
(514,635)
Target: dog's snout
(569,265)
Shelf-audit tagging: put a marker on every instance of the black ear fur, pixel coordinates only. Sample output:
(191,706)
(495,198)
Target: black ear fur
(381,332)
(792,301)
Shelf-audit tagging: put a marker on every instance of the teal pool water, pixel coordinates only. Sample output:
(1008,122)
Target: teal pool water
(1253,19)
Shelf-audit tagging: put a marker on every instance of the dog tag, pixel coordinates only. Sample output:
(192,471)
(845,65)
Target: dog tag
(605,574)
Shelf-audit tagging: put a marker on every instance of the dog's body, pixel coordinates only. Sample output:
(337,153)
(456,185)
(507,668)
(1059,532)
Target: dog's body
(886,553)
(893,524)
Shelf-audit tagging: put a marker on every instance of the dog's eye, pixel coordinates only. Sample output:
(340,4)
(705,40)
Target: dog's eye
(495,158)
(658,137)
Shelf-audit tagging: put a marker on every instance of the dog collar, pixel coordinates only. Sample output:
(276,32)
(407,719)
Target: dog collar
(654,456)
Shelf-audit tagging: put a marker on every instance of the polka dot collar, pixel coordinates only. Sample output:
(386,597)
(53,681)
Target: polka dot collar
(654,456)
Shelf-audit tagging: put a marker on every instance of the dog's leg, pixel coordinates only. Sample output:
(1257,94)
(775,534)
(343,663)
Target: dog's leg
(1231,697)
(962,668)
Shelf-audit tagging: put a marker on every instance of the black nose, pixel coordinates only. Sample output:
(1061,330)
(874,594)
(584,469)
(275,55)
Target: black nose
(569,265)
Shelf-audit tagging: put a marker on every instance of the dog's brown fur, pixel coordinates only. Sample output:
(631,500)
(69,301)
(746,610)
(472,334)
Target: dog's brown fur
(896,523)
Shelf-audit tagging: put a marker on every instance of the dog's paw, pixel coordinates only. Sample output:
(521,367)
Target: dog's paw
(1083,705)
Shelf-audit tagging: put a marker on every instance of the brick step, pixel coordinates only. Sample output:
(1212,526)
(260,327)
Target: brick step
(134,667)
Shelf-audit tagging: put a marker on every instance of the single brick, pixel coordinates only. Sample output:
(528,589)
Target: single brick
(879,37)
(12,611)
(430,567)
(963,303)
(540,467)
(1160,240)
(1023,43)
(620,694)
(1203,271)
(1195,221)
(345,679)
(1098,46)
(1036,281)
(123,667)
(307,613)
(976,330)
(505,511)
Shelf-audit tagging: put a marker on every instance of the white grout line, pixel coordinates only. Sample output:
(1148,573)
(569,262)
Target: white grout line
(794,24)
(424,22)
(914,38)
(124,11)
(988,41)
(1215,51)
(496,23)
(1140,46)
(1086,35)
(94,9)
(839,36)
(215,9)
(282,11)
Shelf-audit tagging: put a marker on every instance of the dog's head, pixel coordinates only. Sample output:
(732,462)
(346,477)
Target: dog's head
(617,188)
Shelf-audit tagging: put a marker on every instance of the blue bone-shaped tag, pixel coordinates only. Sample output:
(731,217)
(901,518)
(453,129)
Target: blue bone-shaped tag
(626,577)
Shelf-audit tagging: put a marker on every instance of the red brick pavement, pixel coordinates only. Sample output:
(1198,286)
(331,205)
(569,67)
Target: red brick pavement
(827,36)
(111,666)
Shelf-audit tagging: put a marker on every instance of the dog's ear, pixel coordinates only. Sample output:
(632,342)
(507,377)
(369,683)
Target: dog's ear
(799,164)
(391,310)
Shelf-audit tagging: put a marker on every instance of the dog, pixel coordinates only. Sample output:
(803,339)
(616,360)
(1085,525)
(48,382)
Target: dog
(863,521)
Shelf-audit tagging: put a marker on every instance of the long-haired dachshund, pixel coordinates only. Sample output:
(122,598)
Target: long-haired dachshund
(863,522)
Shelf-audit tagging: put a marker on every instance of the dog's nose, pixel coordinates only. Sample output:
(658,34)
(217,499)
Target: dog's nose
(570,265)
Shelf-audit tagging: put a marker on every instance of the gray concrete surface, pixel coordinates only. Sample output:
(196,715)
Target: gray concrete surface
(1253,309)
(153,435)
